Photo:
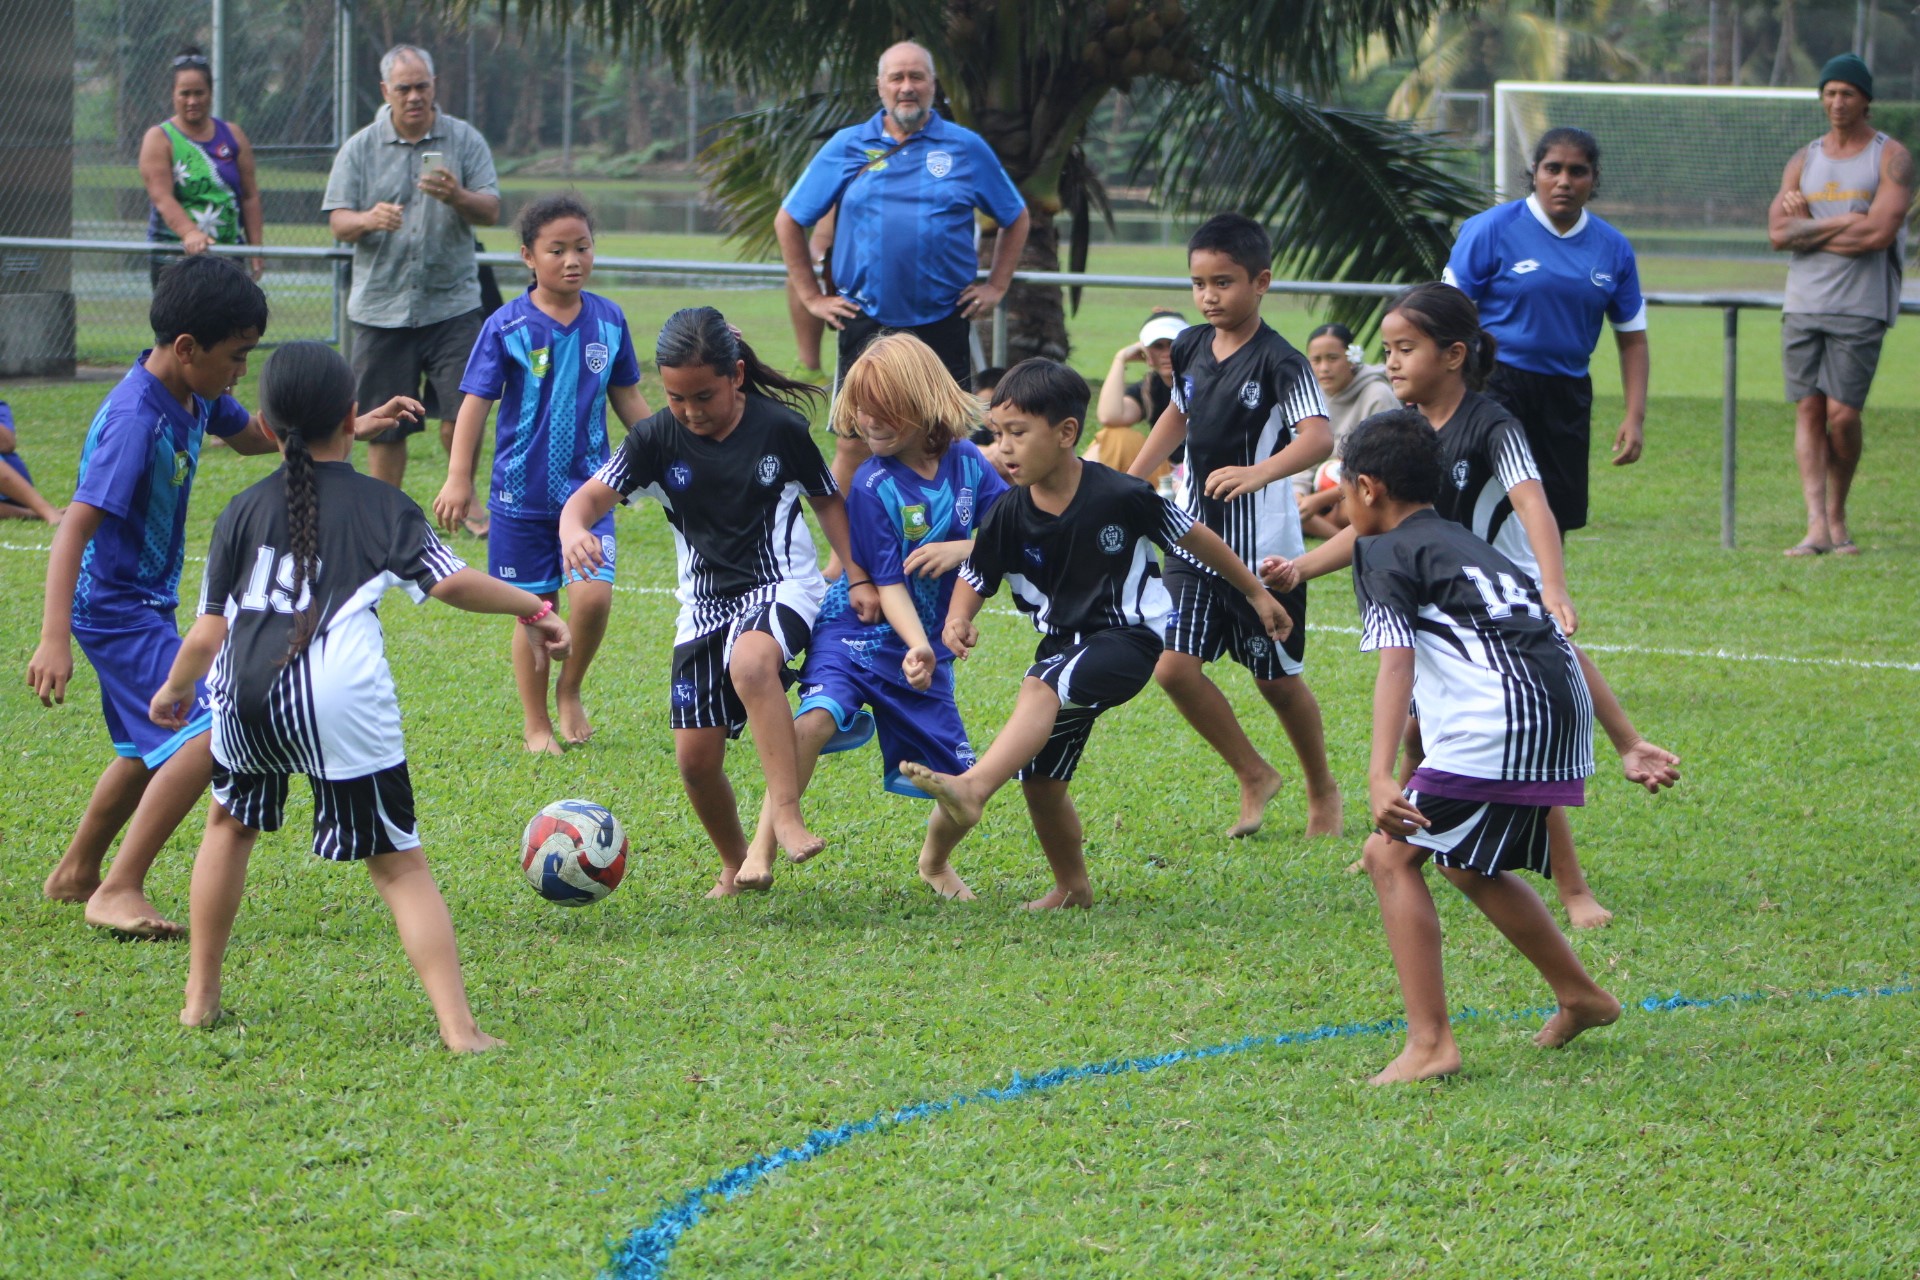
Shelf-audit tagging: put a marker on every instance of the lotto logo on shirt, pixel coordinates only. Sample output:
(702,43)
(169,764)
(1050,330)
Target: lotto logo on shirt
(913,523)
(1525,265)
(597,357)
(679,476)
(540,362)
(1033,556)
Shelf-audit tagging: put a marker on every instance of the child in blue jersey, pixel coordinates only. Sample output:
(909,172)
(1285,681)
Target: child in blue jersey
(113,576)
(555,358)
(912,512)
(19,500)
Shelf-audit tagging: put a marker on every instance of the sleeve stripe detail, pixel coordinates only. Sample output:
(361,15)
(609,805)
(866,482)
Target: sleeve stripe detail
(1638,324)
(1383,628)
(1513,460)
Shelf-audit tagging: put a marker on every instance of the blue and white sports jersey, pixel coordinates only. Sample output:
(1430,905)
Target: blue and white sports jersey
(551,380)
(891,509)
(137,466)
(903,246)
(1541,294)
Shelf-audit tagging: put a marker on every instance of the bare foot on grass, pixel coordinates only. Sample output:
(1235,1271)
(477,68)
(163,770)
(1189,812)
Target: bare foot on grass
(71,883)
(1254,797)
(790,829)
(1062,898)
(127,911)
(946,882)
(1585,912)
(575,727)
(474,1041)
(724,887)
(1432,1062)
(201,1014)
(1326,815)
(1599,1010)
(955,798)
(756,873)
(542,742)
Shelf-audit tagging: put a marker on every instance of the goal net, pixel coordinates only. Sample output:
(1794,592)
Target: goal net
(1694,166)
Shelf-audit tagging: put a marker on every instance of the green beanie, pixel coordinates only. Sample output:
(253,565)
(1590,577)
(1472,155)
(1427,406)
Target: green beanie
(1848,69)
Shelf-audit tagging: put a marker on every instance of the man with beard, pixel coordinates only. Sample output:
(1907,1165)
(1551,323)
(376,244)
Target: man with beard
(906,183)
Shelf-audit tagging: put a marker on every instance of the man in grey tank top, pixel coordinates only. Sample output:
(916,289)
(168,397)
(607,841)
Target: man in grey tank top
(1842,213)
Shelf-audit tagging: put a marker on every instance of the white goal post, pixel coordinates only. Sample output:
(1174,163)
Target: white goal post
(1680,158)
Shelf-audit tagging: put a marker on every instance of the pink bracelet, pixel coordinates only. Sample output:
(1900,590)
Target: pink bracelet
(546,607)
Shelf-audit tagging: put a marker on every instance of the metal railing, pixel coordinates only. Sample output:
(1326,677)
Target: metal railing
(1729,304)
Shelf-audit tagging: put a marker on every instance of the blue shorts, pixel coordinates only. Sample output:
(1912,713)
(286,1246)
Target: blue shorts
(525,550)
(921,725)
(19,464)
(133,661)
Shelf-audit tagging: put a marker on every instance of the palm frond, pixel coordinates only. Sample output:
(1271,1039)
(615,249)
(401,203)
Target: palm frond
(1348,195)
(755,159)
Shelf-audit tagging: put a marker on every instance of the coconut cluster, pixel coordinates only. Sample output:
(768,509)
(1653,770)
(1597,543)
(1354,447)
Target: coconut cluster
(1133,38)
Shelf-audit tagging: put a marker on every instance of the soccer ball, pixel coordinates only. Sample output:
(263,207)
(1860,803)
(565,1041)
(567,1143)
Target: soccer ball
(574,853)
(1328,476)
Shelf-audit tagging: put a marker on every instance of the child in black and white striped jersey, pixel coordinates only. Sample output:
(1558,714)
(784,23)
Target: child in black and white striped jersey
(300,682)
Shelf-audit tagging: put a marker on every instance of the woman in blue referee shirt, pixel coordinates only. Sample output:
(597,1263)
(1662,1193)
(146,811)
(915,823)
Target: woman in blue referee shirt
(1545,273)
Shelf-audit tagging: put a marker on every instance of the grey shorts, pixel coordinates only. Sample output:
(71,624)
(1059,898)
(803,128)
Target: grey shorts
(1830,355)
(392,362)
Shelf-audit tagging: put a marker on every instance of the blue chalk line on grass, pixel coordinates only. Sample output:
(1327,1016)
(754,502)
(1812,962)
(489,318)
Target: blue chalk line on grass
(643,1255)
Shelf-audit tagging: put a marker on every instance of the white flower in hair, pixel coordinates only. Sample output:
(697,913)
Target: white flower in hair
(1356,355)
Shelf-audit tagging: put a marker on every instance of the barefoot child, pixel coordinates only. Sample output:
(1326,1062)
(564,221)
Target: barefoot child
(1074,541)
(300,682)
(19,500)
(912,513)
(729,459)
(1250,413)
(113,575)
(556,358)
(1437,356)
(1500,693)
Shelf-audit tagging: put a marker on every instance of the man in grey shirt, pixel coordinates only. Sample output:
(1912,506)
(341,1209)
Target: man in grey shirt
(1842,213)
(406,193)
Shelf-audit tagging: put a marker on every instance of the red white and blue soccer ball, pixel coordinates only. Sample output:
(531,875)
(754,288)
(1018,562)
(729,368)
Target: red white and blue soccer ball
(574,853)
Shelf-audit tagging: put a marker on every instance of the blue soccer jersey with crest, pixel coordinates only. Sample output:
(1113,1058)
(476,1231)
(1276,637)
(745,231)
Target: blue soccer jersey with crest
(1543,294)
(137,466)
(891,510)
(551,381)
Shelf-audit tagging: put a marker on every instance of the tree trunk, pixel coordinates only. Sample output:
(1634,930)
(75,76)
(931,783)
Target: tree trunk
(1782,50)
(1036,318)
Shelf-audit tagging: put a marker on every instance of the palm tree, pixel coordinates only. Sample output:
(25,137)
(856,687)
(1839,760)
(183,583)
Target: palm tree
(1348,194)
(1507,40)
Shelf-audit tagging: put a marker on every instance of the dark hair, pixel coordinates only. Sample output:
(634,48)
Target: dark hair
(534,218)
(1045,388)
(982,437)
(306,392)
(1334,330)
(985,380)
(191,59)
(1566,137)
(1448,316)
(1400,449)
(701,335)
(1237,236)
(208,298)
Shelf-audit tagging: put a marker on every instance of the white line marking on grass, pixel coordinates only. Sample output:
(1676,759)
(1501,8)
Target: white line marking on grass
(1651,651)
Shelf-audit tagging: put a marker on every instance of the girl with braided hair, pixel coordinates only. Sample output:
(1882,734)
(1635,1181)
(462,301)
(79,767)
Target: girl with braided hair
(300,684)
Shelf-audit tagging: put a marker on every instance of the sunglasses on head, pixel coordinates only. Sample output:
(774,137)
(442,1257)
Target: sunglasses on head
(190,60)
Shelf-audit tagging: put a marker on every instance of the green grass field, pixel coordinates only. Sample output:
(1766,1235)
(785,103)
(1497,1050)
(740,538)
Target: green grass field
(659,1039)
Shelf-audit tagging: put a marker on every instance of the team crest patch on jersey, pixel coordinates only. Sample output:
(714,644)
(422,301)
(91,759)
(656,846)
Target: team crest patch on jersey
(1113,539)
(769,469)
(606,548)
(679,476)
(913,523)
(1601,279)
(182,467)
(1525,265)
(540,362)
(1257,647)
(1460,474)
(683,693)
(963,508)
(597,357)
(1033,555)
(939,163)
(1186,390)
(875,161)
(1250,394)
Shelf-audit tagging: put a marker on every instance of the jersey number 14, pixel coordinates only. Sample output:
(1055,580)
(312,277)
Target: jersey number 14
(1516,596)
(271,586)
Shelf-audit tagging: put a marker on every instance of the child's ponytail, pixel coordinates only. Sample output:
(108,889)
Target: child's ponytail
(306,393)
(1450,317)
(701,335)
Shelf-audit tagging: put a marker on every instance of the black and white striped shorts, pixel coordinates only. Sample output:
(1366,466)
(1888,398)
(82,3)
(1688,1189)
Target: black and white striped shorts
(1481,835)
(353,818)
(1210,618)
(1090,677)
(703,696)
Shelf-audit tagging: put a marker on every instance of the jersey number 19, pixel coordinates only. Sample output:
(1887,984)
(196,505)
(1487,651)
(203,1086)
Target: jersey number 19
(274,570)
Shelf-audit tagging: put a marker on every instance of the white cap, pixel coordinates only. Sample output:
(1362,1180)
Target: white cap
(1162,329)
